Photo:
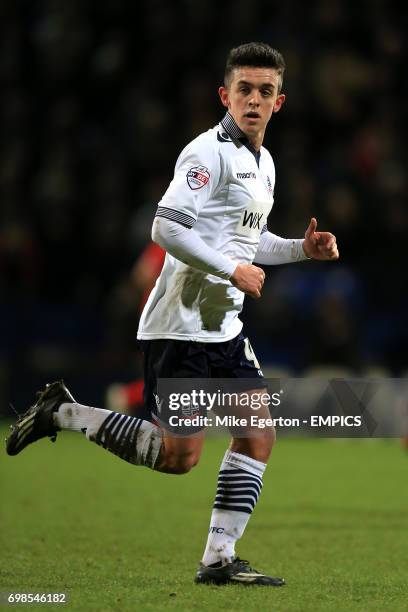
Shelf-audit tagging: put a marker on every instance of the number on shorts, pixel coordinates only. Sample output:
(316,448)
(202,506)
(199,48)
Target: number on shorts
(250,355)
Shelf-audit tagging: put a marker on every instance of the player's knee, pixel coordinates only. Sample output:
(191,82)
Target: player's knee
(264,441)
(183,466)
(176,463)
(258,447)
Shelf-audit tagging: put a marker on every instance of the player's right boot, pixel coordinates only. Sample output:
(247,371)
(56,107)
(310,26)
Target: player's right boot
(38,421)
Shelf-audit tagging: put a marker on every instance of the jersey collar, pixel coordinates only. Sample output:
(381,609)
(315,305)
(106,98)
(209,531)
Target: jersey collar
(231,127)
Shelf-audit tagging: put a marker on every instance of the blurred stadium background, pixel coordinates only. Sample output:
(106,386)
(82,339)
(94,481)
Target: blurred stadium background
(97,100)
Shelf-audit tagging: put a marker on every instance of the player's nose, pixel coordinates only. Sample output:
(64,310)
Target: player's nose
(254,98)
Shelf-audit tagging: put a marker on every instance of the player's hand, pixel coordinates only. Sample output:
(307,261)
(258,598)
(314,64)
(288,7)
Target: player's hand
(249,279)
(319,245)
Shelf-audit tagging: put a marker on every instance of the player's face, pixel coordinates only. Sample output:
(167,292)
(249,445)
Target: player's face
(251,98)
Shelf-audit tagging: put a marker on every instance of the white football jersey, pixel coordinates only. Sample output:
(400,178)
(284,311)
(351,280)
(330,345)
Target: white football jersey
(224,189)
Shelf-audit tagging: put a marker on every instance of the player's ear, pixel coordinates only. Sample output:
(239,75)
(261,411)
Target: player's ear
(224,96)
(279,101)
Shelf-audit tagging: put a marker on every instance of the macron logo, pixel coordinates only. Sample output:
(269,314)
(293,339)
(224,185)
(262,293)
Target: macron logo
(253,220)
(245,175)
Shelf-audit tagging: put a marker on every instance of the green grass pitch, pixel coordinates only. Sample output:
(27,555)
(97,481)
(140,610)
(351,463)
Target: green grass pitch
(332,519)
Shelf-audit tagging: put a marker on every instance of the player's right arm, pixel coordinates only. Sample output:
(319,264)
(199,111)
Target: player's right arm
(197,178)
(186,245)
(249,279)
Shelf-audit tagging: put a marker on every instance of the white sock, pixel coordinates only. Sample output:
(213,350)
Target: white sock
(77,417)
(238,490)
(134,440)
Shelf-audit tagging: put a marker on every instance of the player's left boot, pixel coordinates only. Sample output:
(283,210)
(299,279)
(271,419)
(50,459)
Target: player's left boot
(38,421)
(236,572)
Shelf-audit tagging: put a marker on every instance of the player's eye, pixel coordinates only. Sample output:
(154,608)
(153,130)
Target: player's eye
(266,92)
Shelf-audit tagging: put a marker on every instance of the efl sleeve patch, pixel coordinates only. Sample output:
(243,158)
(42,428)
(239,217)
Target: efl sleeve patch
(197,177)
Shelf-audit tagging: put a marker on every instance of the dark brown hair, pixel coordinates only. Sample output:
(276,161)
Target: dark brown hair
(256,54)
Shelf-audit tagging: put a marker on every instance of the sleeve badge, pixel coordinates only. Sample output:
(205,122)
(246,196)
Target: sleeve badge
(198,177)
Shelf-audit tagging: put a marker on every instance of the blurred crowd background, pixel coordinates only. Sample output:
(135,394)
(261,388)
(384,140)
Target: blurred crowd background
(97,100)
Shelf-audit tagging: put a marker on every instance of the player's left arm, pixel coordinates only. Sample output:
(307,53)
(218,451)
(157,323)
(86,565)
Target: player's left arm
(319,245)
(274,250)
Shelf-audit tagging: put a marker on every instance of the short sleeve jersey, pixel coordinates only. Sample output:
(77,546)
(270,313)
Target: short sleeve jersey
(223,189)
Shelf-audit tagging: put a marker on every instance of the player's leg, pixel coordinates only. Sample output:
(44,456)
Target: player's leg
(180,454)
(240,482)
(259,444)
(134,440)
(239,487)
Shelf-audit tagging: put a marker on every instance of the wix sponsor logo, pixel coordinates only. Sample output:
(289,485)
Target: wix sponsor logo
(246,175)
(252,219)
